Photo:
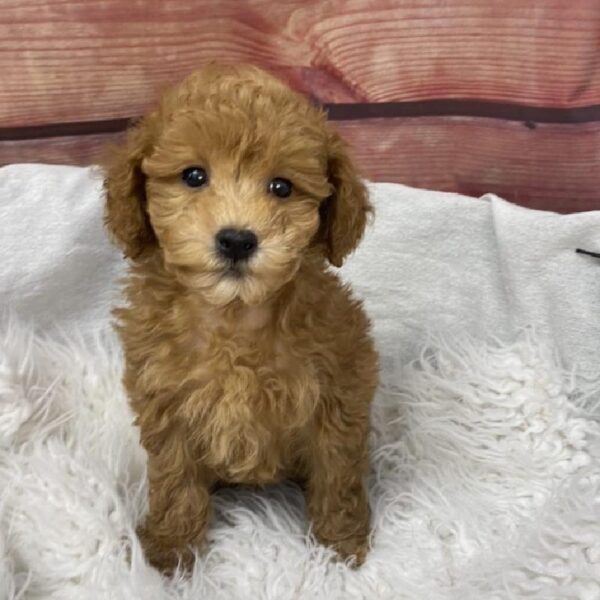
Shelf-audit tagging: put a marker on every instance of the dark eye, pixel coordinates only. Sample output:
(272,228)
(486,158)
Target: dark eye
(194,177)
(279,187)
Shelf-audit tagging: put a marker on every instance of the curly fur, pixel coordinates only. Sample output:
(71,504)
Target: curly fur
(265,375)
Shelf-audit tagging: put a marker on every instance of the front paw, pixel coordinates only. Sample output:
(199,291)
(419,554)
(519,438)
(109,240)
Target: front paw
(353,548)
(163,554)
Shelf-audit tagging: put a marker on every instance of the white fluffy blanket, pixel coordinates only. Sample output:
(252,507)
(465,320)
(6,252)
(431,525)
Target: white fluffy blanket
(485,478)
(485,484)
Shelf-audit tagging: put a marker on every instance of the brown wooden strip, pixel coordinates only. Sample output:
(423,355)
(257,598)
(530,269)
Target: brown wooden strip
(54,130)
(444,107)
(551,167)
(69,150)
(346,112)
(71,61)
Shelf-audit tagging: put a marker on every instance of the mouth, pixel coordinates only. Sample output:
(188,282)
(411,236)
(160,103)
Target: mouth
(235,271)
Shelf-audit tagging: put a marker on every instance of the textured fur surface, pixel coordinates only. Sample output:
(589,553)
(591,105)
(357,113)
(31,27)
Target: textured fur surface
(256,372)
(485,483)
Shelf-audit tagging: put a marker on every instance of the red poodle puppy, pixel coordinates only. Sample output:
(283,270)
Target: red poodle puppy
(247,360)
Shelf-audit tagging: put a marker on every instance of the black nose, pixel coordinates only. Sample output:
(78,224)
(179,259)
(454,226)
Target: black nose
(236,244)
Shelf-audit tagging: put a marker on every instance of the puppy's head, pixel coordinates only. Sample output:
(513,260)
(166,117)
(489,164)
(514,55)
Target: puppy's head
(234,178)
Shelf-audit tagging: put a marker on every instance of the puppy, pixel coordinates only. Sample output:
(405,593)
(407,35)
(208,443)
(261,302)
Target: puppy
(247,361)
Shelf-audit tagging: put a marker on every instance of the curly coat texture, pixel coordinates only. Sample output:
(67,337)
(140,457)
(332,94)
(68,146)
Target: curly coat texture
(253,374)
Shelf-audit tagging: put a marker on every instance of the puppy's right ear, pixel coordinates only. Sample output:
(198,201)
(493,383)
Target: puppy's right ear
(125,186)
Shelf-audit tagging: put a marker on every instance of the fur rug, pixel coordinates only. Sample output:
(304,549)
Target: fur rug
(485,484)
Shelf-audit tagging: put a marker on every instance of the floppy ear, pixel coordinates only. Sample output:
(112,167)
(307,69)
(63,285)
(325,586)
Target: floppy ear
(125,214)
(344,214)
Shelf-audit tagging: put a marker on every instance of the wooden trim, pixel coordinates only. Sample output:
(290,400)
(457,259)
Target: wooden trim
(444,107)
(548,167)
(350,112)
(55,130)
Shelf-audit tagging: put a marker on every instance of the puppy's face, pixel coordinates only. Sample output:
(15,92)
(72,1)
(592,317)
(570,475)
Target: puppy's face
(233,194)
(234,178)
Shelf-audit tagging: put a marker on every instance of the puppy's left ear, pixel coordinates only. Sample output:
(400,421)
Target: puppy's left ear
(344,214)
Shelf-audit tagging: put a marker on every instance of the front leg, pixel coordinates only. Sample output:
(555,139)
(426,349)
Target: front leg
(336,492)
(179,498)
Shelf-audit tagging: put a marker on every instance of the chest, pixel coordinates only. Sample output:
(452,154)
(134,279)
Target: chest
(273,345)
(253,396)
